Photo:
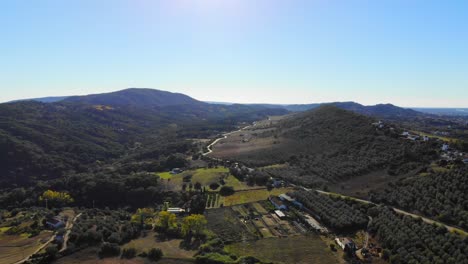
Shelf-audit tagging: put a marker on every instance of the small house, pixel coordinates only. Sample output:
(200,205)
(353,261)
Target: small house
(280,214)
(54,223)
(285,197)
(279,205)
(176,171)
(347,244)
(176,210)
(445,147)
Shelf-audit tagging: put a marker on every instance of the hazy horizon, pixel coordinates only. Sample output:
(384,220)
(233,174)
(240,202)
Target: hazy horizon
(410,54)
(232,102)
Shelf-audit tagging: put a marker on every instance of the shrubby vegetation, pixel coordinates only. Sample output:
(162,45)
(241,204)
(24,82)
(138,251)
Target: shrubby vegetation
(441,196)
(333,212)
(113,227)
(411,240)
(329,144)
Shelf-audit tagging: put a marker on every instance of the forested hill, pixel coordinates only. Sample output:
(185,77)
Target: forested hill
(385,111)
(136,97)
(331,144)
(41,141)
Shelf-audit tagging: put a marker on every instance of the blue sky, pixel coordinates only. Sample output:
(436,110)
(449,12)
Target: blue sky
(409,53)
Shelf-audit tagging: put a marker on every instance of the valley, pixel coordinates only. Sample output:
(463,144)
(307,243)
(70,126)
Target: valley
(161,185)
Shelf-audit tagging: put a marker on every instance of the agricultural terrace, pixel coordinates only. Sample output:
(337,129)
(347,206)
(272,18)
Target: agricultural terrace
(14,248)
(22,234)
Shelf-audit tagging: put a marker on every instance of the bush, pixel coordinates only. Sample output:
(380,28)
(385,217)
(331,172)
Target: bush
(155,254)
(226,191)
(109,250)
(128,253)
(214,186)
(52,250)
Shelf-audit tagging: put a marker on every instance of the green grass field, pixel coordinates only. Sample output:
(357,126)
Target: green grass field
(251,196)
(205,176)
(298,249)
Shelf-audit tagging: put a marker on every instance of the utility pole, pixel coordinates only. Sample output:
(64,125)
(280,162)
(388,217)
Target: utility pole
(46,203)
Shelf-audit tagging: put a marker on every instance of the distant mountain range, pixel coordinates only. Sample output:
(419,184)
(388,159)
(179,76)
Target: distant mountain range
(44,140)
(145,97)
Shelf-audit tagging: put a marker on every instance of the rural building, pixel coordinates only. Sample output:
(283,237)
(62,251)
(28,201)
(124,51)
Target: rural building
(425,138)
(176,171)
(445,147)
(280,214)
(278,183)
(176,210)
(285,197)
(279,205)
(347,244)
(314,224)
(54,223)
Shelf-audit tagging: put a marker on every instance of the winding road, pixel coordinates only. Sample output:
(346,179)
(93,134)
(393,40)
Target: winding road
(210,146)
(399,211)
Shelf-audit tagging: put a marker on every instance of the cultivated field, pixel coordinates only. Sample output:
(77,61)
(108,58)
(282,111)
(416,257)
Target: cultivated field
(296,249)
(171,248)
(248,222)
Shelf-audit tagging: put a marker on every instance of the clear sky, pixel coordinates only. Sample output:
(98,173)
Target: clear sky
(405,52)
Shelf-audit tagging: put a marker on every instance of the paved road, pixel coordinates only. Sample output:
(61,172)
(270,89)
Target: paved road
(399,211)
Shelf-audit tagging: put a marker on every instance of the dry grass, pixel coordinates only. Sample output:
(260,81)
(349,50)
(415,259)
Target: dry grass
(17,247)
(298,249)
(251,196)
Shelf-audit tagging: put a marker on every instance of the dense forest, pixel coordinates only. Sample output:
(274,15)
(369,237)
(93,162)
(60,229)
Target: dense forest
(440,196)
(333,212)
(43,141)
(412,241)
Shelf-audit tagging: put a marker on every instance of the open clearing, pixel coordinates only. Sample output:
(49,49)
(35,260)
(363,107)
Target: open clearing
(89,256)
(171,248)
(298,249)
(204,176)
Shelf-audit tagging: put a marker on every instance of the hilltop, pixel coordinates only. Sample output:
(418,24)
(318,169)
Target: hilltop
(136,97)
